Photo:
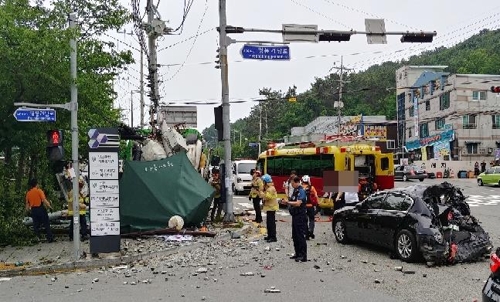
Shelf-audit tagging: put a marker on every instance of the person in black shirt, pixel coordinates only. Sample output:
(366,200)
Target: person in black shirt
(299,220)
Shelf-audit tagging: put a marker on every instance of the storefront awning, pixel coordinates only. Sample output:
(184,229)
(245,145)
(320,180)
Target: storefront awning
(472,142)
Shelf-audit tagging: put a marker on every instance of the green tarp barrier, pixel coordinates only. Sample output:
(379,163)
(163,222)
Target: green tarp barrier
(152,192)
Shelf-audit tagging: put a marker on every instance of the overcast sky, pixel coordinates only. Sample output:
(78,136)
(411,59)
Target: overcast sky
(189,72)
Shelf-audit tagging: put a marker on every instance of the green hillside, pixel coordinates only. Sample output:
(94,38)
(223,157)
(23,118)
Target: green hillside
(370,92)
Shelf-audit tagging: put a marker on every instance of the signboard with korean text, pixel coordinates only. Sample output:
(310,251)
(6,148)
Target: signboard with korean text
(105,228)
(263,52)
(35,115)
(104,190)
(375,132)
(175,115)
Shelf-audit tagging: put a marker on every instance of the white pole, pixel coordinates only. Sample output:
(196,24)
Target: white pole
(74,142)
(226,121)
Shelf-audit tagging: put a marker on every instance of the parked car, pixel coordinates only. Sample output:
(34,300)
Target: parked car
(489,177)
(491,289)
(433,222)
(405,173)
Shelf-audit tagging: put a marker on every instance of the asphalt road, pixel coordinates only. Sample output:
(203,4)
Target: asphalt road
(335,272)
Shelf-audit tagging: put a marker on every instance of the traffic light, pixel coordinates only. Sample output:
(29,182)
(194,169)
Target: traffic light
(495,89)
(417,38)
(334,37)
(55,149)
(218,123)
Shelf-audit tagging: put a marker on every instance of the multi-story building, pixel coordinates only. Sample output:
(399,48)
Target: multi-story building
(448,117)
(376,129)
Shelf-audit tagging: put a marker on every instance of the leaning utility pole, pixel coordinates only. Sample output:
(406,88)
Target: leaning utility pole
(141,89)
(74,141)
(153,64)
(226,121)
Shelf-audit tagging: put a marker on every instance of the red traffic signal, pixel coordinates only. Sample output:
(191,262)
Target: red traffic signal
(54,138)
(495,89)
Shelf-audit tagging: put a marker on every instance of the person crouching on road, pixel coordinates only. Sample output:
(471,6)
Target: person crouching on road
(255,193)
(36,203)
(312,202)
(299,220)
(270,200)
(216,184)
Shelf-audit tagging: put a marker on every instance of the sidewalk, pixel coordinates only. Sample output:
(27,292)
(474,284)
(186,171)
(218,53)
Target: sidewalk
(54,257)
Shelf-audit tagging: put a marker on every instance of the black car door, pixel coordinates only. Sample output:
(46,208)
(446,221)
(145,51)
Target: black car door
(363,217)
(390,217)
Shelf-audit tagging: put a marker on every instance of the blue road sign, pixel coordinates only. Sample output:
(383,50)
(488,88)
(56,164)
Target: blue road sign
(259,52)
(35,115)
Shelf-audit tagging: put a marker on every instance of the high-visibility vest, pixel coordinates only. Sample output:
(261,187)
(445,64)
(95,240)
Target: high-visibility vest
(83,210)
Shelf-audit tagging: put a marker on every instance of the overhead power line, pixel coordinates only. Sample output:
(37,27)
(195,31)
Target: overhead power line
(187,39)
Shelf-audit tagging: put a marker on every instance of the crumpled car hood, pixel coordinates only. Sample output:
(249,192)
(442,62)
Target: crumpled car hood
(448,207)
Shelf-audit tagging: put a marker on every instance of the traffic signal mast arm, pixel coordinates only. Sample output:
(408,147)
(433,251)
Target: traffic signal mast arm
(67,106)
(337,35)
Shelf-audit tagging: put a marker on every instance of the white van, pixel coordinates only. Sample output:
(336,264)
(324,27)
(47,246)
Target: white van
(242,180)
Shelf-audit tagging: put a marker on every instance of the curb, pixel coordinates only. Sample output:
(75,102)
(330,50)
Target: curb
(95,263)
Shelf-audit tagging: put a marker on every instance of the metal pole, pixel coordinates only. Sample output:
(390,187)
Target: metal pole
(229,216)
(240,137)
(260,127)
(153,65)
(341,86)
(141,89)
(132,108)
(74,141)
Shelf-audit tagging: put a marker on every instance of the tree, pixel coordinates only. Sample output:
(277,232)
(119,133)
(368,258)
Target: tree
(34,67)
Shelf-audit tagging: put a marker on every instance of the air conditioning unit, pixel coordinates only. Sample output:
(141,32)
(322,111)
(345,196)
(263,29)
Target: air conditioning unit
(482,151)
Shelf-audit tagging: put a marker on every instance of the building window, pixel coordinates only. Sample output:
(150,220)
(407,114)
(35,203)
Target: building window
(472,148)
(440,124)
(412,111)
(427,105)
(424,130)
(444,101)
(410,134)
(469,121)
(479,95)
(495,121)
(391,144)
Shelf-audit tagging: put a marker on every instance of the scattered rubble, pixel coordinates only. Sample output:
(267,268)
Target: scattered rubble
(272,290)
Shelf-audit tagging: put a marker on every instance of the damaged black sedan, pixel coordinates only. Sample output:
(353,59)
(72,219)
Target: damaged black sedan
(430,221)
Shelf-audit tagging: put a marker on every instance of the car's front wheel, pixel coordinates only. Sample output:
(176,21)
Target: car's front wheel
(479,182)
(406,246)
(421,179)
(339,231)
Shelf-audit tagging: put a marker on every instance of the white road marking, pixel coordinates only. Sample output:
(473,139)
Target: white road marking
(481,200)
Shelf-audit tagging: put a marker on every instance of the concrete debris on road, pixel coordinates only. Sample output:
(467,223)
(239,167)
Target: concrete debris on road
(272,290)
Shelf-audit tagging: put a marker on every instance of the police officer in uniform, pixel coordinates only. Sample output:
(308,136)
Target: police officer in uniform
(299,220)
